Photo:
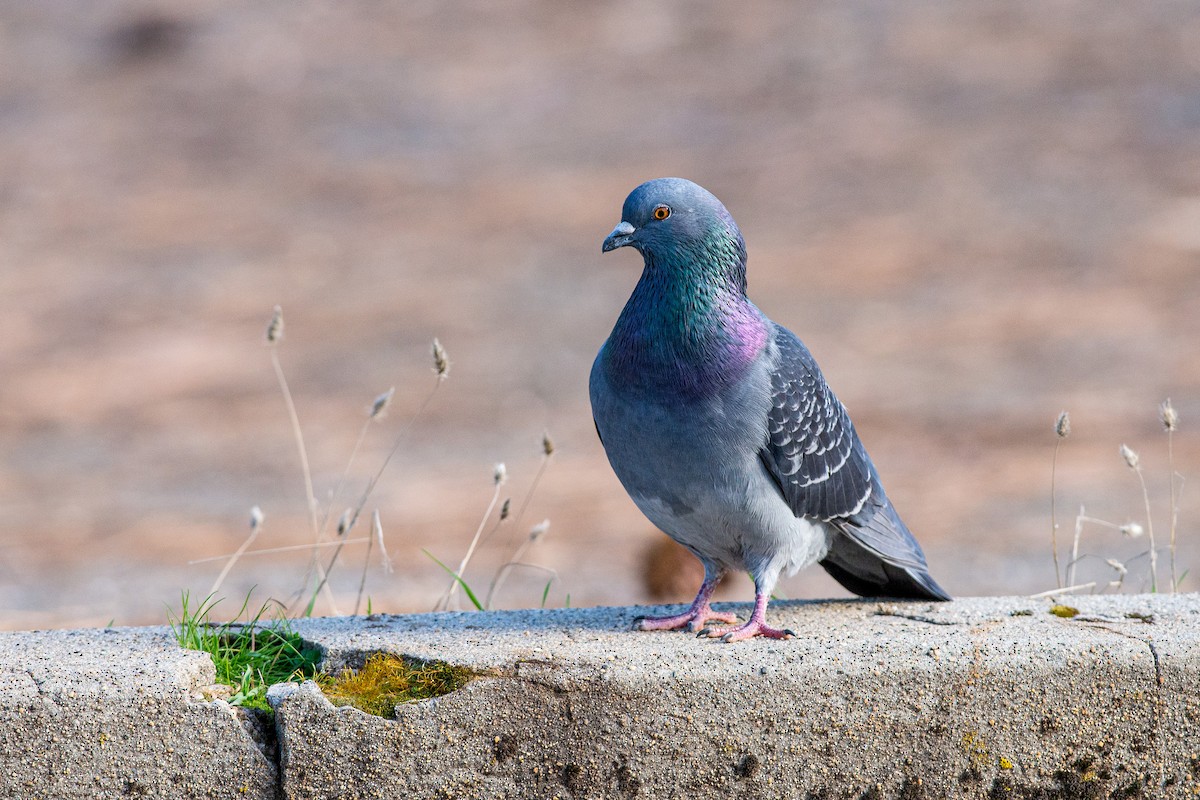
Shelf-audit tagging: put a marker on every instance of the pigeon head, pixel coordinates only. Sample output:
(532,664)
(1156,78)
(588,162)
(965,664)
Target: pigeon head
(674,222)
(688,328)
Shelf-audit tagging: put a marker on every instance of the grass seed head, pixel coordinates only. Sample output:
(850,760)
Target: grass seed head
(1131,530)
(382,402)
(1131,458)
(1170,419)
(1063,426)
(539,530)
(500,474)
(505,508)
(275,327)
(345,521)
(547,445)
(441,364)
(256,518)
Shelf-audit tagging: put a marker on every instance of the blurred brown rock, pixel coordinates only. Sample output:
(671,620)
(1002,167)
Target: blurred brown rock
(670,573)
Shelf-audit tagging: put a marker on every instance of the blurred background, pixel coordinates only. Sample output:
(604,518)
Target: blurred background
(976,214)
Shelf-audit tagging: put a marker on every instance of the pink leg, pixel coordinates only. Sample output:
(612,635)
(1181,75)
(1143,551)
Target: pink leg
(755,626)
(697,615)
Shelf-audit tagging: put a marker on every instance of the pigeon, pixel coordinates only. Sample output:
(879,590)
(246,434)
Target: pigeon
(720,426)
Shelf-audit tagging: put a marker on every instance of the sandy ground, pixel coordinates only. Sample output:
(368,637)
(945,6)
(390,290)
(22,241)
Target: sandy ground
(976,214)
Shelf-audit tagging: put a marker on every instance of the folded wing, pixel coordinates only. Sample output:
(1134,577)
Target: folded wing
(823,472)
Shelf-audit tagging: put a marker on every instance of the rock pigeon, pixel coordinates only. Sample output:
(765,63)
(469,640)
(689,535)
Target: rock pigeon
(719,424)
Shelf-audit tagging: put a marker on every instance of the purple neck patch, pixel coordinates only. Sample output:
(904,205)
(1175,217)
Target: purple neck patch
(689,348)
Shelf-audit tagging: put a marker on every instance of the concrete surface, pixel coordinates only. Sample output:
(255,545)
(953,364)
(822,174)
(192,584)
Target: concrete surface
(122,713)
(984,697)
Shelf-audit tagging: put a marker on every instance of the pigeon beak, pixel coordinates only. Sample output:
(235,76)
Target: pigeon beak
(620,236)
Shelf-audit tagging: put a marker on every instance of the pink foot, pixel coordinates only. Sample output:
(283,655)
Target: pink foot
(757,624)
(693,619)
(754,627)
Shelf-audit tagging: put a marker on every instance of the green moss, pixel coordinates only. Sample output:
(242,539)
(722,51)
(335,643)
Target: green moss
(1066,612)
(972,745)
(387,680)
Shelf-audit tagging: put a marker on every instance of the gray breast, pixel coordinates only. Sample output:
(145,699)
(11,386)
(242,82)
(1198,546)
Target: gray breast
(674,456)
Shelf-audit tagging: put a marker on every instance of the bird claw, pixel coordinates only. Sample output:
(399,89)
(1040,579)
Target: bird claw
(694,619)
(749,631)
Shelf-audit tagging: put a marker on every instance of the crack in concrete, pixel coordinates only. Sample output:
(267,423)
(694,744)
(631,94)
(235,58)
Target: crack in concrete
(1159,678)
(1158,671)
(890,612)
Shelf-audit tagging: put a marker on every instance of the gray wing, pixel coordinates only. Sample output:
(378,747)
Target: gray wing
(821,468)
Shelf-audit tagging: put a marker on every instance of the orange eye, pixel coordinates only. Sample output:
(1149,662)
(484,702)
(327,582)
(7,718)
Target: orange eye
(662,212)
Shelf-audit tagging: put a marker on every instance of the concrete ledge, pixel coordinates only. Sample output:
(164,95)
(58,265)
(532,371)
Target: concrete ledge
(974,698)
(119,713)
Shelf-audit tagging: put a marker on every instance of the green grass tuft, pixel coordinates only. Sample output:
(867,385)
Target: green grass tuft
(458,580)
(249,656)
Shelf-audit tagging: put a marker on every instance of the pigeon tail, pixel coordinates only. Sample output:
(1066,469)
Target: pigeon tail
(867,574)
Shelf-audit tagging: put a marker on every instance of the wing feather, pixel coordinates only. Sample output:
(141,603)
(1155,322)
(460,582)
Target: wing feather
(824,473)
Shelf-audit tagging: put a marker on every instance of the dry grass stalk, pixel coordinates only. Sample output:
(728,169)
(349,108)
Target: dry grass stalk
(442,369)
(535,533)
(385,560)
(1170,421)
(547,451)
(323,584)
(1130,530)
(1121,573)
(274,336)
(350,517)
(378,407)
(1062,429)
(1134,463)
(1079,518)
(376,532)
(256,523)
(1078,587)
(290,548)
(499,476)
